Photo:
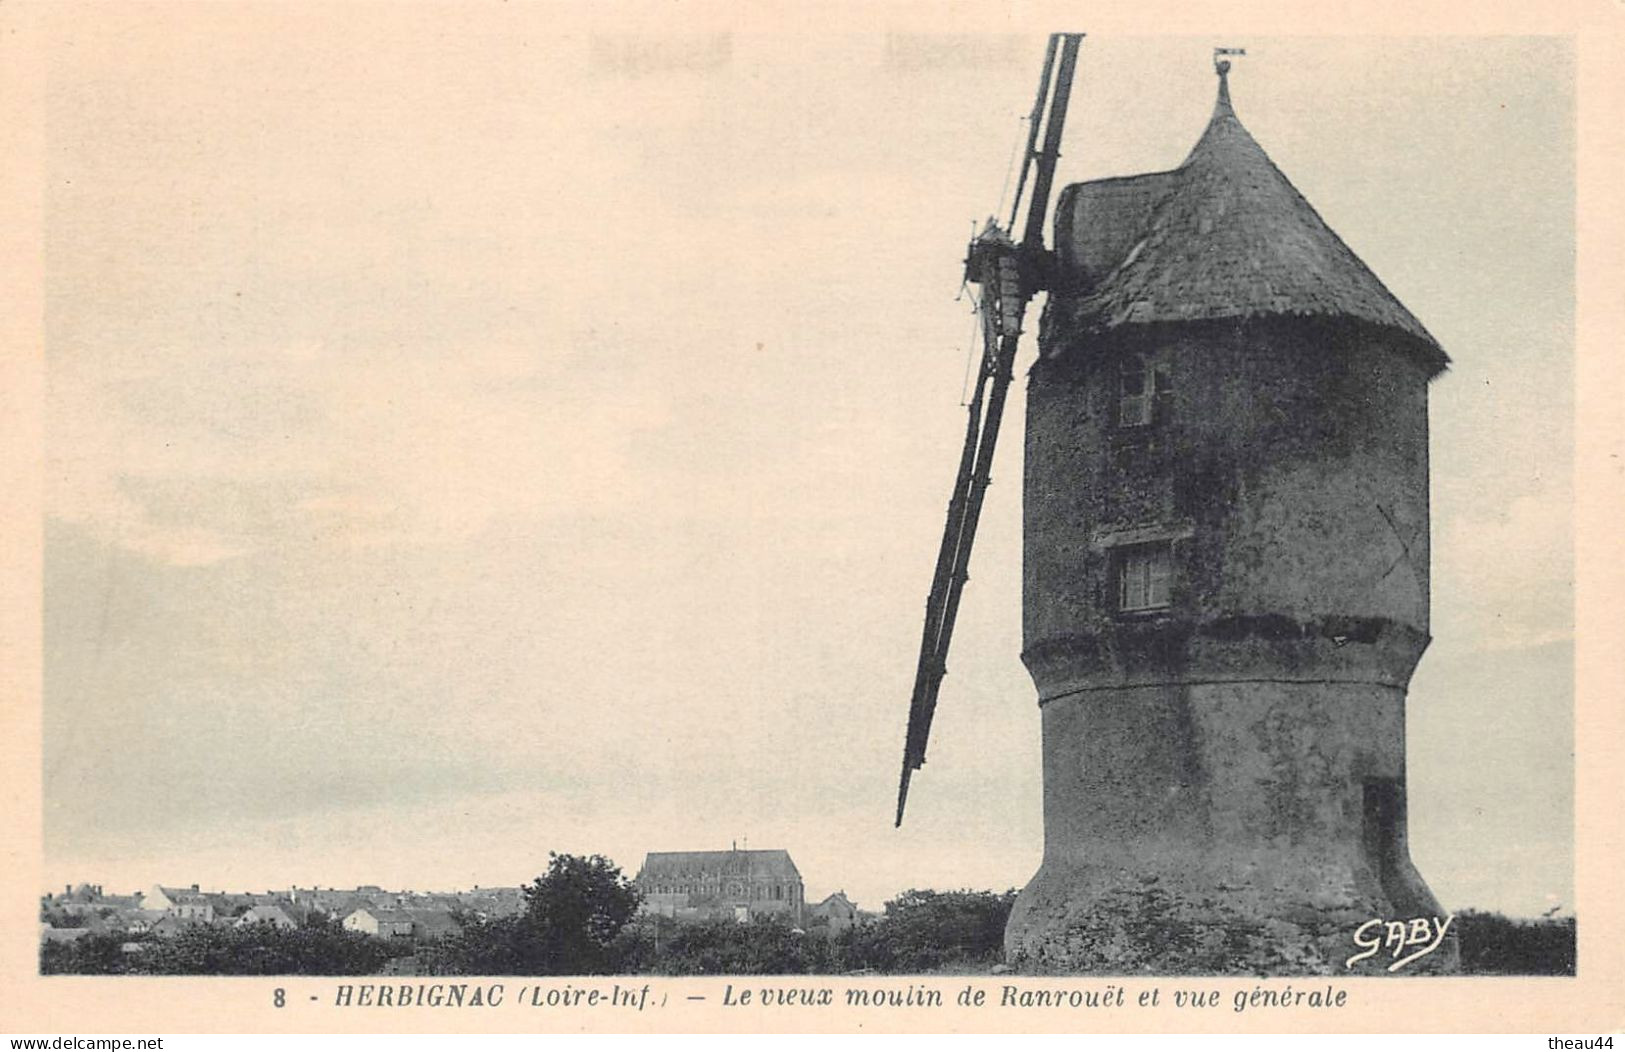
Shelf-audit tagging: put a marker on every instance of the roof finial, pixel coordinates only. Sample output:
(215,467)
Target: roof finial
(1221,66)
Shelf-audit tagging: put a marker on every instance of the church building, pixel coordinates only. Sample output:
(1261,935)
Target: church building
(702,885)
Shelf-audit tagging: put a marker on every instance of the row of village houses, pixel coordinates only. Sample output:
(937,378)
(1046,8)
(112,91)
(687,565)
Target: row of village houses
(684,885)
(164,910)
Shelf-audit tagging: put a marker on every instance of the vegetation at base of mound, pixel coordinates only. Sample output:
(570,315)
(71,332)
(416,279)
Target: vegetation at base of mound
(1492,944)
(581,918)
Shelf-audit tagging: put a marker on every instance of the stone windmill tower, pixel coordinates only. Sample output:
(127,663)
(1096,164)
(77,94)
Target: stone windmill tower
(1225,578)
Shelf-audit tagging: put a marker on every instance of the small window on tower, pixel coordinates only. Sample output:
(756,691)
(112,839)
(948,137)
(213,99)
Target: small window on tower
(1144,573)
(1143,392)
(1134,386)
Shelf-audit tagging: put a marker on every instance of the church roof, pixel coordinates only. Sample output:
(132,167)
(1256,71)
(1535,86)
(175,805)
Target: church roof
(1223,236)
(765,863)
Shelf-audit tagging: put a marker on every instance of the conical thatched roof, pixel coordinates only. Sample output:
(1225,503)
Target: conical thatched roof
(1223,236)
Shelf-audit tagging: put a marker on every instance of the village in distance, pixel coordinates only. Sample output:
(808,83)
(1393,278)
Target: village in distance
(728,912)
(734,911)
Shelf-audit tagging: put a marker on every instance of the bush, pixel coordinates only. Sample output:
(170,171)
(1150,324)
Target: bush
(574,912)
(319,947)
(929,931)
(922,931)
(764,945)
(572,925)
(99,953)
(1492,944)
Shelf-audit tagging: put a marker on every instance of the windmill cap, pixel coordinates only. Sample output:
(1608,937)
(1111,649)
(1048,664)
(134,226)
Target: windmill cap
(1223,236)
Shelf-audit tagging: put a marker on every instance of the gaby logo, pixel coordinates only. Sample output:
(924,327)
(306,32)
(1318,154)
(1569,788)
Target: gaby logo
(1420,937)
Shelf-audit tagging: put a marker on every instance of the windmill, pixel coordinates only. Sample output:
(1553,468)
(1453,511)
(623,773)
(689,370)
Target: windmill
(1009,274)
(1225,562)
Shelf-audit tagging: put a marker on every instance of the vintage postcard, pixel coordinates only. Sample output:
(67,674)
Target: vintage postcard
(898,518)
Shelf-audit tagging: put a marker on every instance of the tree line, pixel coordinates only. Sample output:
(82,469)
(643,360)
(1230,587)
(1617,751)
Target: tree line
(581,917)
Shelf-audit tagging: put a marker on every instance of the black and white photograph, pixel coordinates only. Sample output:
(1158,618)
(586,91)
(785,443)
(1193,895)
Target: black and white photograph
(756,521)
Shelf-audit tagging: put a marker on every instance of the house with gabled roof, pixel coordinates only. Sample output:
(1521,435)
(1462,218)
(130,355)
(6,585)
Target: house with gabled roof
(493,902)
(377,920)
(265,913)
(173,924)
(183,903)
(138,920)
(50,934)
(395,922)
(836,912)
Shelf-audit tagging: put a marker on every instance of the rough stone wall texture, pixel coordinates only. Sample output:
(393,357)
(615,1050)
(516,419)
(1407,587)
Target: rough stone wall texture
(1228,771)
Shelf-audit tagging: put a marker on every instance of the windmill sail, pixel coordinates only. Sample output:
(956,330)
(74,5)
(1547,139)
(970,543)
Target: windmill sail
(1008,275)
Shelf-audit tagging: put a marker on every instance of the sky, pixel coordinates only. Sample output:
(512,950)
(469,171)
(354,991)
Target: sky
(468,439)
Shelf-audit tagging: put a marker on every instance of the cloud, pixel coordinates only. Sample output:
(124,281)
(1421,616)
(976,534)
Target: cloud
(332,446)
